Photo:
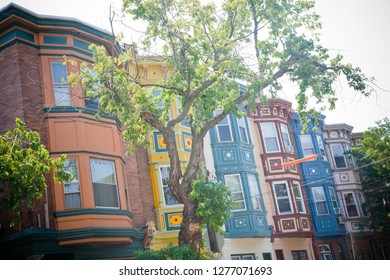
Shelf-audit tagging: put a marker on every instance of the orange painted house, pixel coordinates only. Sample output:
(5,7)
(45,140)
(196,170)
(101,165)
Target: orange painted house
(103,211)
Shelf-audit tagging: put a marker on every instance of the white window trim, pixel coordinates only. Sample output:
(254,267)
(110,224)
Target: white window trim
(162,188)
(276,135)
(301,197)
(289,147)
(242,190)
(315,201)
(78,181)
(355,203)
(243,120)
(320,140)
(58,102)
(228,124)
(333,156)
(116,183)
(312,145)
(288,195)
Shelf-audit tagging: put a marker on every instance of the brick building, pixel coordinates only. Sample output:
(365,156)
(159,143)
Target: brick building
(102,213)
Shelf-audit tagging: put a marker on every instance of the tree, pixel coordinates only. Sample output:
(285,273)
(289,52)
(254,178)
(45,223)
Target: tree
(24,162)
(213,207)
(373,159)
(205,47)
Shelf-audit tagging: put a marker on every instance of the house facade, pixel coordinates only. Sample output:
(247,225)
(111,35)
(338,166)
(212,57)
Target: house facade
(338,138)
(329,239)
(91,216)
(247,233)
(283,188)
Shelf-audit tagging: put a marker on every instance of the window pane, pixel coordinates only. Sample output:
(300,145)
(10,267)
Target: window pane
(320,200)
(338,155)
(72,187)
(283,198)
(307,145)
(60,84)
(103,172)
(234,183)
(168,196)
(242,130)
(104,183)
(224,133)
(105,195)
(299,198)
(270,137)
(254,192)
(351,205)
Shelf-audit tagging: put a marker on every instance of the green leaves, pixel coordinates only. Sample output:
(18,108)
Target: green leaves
(24,162)
(213,203)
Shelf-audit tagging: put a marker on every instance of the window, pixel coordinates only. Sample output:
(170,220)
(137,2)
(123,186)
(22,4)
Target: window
(299,198)
(334,200)
(105,190)
(270,137)
(234,183)
(93,101)
(283,200)
(254,192)
(243,257)
(223,129)
(361,201)
(350,203)
(60,84)
(307,145)
(169,199)
(320,143)
(286,138)
(279,254)
(267,256)
(184,122)
(325,252)
(242,129)
(72,187)
(338,155)
(299,255)
(320,200)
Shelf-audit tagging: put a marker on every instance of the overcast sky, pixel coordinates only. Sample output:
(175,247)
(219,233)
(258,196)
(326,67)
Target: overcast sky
(357,29)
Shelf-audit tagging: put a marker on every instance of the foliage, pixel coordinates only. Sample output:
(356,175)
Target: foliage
(373,159)
(207,49)
(213,203)
(24,162)
(171,252)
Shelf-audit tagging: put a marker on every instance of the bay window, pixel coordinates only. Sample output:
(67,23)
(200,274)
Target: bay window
(282,196)
(60,84)
(270,137)
(320,200)
(233,181)
(72,187)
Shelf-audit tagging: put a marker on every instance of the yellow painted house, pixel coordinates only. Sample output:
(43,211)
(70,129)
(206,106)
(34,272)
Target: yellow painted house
(152,70)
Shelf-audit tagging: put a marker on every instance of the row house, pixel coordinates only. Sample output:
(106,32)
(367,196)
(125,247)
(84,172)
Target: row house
(283,189)
(233,161)
(329,239)
(338,139)
(101,213)
(168,211)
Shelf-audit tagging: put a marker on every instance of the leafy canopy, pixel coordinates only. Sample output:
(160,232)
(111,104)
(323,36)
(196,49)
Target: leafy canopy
(24,162)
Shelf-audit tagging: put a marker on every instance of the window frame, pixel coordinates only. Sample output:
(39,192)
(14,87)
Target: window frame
(254,192)
(287,187)
(234,209)
(57,87)
(245,257)
(321,147)
(333,199)
(229,126)
(305,154)
(320,201)
(286,140)
(347,204)
(165,188)
(241,124)
(332,149)
(299,199)
(73,181)
(299,254)
(265,137)
(115,186)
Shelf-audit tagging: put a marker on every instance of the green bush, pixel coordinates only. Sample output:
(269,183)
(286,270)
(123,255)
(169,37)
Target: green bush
(169,253)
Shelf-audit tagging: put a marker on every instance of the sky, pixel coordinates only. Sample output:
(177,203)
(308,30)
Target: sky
(357,29)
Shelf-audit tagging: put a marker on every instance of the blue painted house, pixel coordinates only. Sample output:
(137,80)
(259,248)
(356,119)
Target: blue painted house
(247,232)
(329,241)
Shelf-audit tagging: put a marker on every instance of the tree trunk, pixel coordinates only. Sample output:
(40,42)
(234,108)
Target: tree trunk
(191,228)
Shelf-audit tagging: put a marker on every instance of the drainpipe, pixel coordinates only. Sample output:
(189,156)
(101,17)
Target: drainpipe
(353,245)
